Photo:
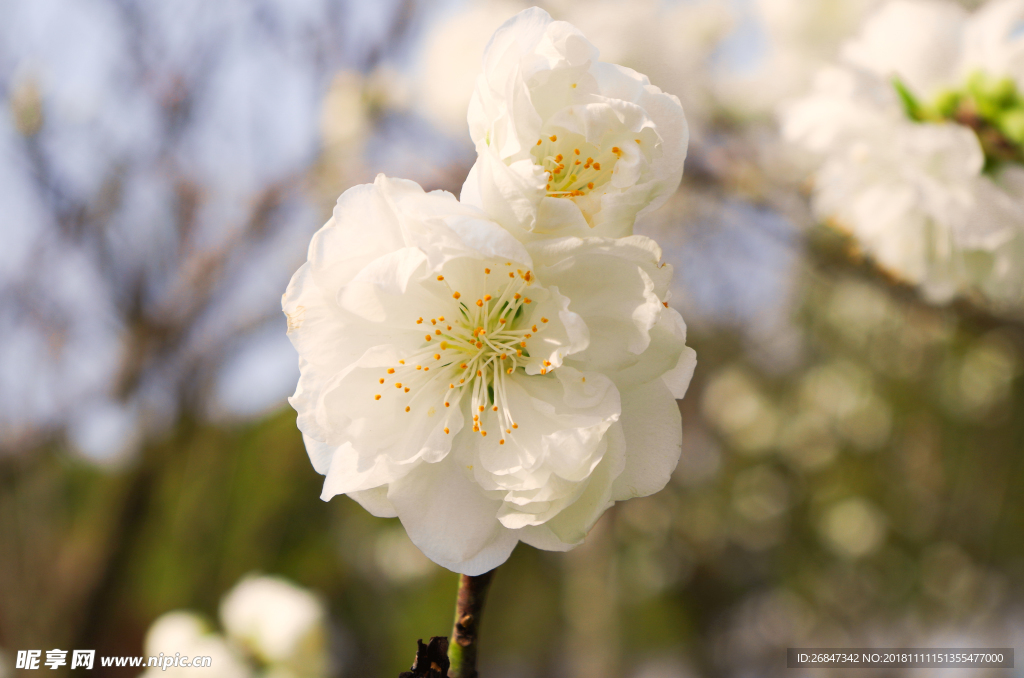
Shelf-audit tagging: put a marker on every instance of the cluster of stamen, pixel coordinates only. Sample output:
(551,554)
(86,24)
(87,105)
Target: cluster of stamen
(572,172)
(475,350)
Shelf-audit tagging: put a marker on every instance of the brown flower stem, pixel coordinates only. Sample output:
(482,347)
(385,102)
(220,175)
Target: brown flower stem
(468,608)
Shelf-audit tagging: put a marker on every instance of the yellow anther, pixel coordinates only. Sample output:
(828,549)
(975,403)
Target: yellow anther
(456,295)
(479,374)
(597,166)
(558,158)
(511,274)
(553,137)
(391,370)
(440,277)
(487,270)
(590,185)
(376,397)
(515,425)
(419,321)
(433,322)
(446,428)
(406,389)
(481,408)
(447,404)
(479,344)
(527,300)
(543,320)
(440,318)
(483,433)
(419,367)
(617,151)
(539,141)
(398,384)
(487,297)
(495,408)
(501,321)
(479,302)
(406,408)
(636,140)
(463,365)
(519,352)
(508,371)
(516,295)
(437,332)
(427,337)
(382,380)
(547,363)
(502,441)
(444,345)
(576,151)
(437,356)
(400,362)
(543,371)
(534,328)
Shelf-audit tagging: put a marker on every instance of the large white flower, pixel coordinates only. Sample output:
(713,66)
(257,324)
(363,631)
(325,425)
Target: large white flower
(483,392)
(903,136)
(568,145)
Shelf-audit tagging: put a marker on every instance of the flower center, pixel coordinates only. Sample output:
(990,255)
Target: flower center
(573,165)
(475,349)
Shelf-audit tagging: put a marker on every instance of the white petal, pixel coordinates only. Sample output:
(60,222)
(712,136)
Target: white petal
(654,437)
(375,500)
(450,519)
(571,525)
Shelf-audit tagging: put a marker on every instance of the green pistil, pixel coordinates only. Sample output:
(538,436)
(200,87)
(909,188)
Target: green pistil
(992,107)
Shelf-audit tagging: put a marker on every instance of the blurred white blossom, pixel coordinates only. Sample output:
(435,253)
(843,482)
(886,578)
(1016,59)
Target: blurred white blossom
(279,623)
(917,150)
(271,629)
(189,635)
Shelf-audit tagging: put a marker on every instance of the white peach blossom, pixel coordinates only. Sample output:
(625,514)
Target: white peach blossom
(568,145)
(484,391)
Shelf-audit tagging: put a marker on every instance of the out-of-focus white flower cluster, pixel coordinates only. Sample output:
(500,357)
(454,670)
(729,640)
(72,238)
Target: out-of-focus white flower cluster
(271,629)
(917,138)
(504,368)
